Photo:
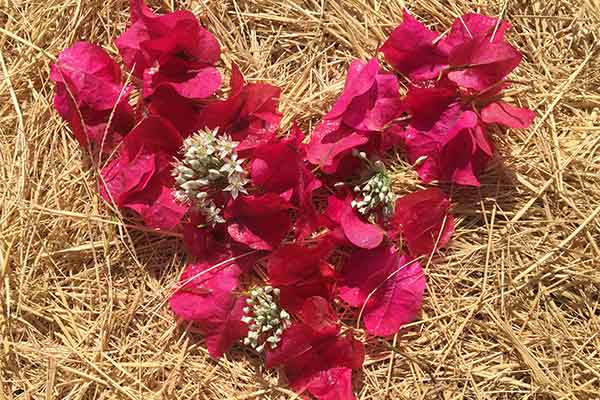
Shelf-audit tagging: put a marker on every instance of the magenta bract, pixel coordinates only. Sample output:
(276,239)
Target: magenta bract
(388,285)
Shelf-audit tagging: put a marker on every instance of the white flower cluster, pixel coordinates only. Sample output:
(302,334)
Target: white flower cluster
(376,191)
(264,317)
(209,164)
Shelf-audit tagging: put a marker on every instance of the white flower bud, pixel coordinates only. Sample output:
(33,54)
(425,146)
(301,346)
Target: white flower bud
(268,319)
(182,169)
(420,161)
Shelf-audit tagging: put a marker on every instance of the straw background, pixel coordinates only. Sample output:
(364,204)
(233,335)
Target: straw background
(512,309)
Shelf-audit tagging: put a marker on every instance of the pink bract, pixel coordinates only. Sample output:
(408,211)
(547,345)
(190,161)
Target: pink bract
(370,101)
(445,142)
(474,54)
(480,64)
(473,25)
(214,245)
(279,167)
(207,298)
(358,232)
(390,286)
(171,50)
(183,113)
(139,178)
(90,94)
(317,313)
(465,151)
(330,142)
(314,358)
(410,49)
(424,221)
(249,115)
(508,115)
(260,222)
(301,272)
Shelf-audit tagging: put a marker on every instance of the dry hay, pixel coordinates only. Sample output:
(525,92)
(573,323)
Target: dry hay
(512,310)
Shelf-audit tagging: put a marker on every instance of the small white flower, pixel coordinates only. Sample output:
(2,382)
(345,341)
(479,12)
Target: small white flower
(376,191)
(267,318)
(209,164)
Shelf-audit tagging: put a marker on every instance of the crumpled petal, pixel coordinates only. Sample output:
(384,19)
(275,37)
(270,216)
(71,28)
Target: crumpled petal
(370,98)
(202,84)
(330,142)
(424,221)
(313,359)
(157,207)
(89,94)
(317,313)
(411,51)
(481,64)
(508,115)
(183,113)
(144,26)
(171,50)
(434,111)
(279,167)
(260,222)
(151,36)
(392,285)
(474,53)
(370,101)
(301,272)
(445,142)
(473,25)
(212,245)
(465,152)
(139,178)
(207,297)
(332,384)
(359,233)
(249,115)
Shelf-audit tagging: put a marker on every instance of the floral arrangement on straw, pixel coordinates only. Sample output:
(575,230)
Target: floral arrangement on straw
(262,212)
